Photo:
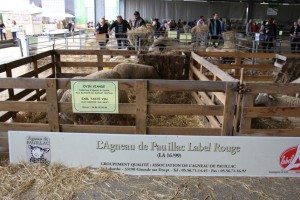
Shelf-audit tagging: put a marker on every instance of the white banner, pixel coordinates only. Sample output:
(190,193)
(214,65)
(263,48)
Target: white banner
(272,11)
(161,155)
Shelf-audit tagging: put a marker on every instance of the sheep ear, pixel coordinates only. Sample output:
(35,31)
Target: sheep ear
(271,97)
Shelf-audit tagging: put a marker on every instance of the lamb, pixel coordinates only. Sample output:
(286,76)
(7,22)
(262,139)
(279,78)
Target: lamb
(107,119)
(283,101)
(136,71)
(162,43)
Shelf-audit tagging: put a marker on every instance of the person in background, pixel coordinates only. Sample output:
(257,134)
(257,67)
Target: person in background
(263,38)
(14,29)
(191,24)
(102,28)
(228,25)
(70,26)
(138,20)
(179,24)
(295,37)
(2,30)
(138,23)
(222,25)
(173,26)
(201,21)
(255,28)
(163,28)
(156,25)
(271,31)
(249,28)
(120,26)
(215,30)
(186,28)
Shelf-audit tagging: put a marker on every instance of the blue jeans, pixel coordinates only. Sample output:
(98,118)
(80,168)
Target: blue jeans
(14,35)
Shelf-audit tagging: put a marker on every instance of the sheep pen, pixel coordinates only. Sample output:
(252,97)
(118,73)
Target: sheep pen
(25,181)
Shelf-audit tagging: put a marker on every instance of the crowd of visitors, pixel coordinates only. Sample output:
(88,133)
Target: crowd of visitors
(267,30)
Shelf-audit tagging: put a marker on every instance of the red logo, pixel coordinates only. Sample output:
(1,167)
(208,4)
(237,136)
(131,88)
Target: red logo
(290,159)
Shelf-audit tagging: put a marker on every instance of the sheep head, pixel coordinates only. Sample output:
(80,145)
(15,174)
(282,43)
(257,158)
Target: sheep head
(263,98)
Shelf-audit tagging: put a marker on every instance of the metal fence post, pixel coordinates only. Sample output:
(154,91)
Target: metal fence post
(80,42)
(65,36)
(27,45)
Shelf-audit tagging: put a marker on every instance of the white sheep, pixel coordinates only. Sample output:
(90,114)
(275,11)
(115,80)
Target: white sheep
(283,101)
(136,71)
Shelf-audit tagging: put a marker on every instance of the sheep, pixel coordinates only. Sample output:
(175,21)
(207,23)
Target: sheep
(107,119)
(285,101)
(162,43)
(30,117)
(136,71)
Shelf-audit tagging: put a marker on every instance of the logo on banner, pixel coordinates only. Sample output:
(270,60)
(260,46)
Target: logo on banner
(290,159)
(38,149)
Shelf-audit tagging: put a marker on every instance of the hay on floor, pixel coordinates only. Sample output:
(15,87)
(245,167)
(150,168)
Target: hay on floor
(35,181)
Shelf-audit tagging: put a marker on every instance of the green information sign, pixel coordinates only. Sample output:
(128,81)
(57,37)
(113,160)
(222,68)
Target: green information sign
(95,96)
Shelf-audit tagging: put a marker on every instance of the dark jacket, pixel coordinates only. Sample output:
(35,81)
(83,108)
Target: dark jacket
(139,22)
(211,27)
(103,29)
(271,30)
(295,31)
(157,26)
(125,25)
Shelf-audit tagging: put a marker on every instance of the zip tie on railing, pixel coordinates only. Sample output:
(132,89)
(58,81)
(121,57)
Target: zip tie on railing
(241,89)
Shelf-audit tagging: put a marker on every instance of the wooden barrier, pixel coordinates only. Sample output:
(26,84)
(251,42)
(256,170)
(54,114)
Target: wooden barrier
(203,70)
(98,64)
(30,65)
(239,62)
(214,90)
(249,111)
(141,108)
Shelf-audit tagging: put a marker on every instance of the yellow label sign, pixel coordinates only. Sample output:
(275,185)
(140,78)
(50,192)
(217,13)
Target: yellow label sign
(95,96)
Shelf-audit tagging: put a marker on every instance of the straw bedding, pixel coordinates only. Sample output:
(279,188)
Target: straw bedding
(36,181)
(25,181)
(200,31)
(146,35)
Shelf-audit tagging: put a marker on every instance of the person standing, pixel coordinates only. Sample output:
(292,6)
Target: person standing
(120,26)
(201,22)
(173,26)
(255,28)
(14,29)
(70,26)
(263,38)
(215,30)
(222,25)
(138,20)
(163,28)
(295,37)
(271,31)
(102,29)
(249,28)
(156,25)
(2,30)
